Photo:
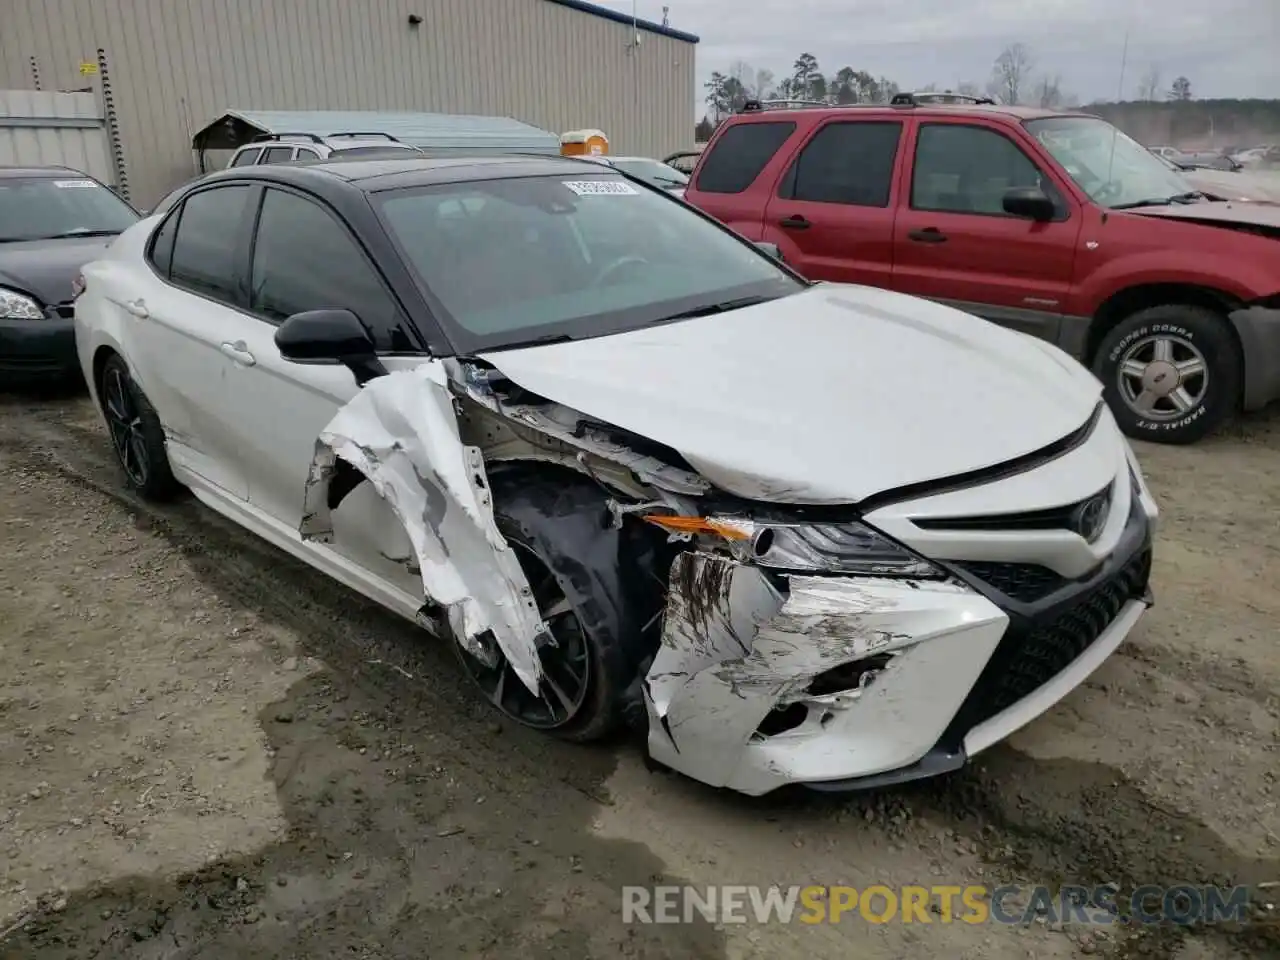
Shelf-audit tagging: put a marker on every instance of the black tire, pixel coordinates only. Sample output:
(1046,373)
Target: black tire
(558,520)
(1191,331)
(135,432)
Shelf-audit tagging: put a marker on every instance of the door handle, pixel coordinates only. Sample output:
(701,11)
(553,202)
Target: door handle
(795,222)
(928,235)
(138,308)
(238,352)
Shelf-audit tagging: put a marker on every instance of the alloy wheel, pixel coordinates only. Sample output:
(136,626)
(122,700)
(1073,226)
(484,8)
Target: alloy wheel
(1163,377)
(565,658)
(125,425)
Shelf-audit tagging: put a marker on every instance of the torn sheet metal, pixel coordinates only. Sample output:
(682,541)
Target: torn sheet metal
(573,429)
(735,647)
(400,431)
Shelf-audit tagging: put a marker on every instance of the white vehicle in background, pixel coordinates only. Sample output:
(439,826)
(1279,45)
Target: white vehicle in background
(653,172)
(295,147)
(630,465)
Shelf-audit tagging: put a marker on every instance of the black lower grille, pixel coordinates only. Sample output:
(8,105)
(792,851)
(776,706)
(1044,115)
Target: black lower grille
(1029,656)
(1025,582)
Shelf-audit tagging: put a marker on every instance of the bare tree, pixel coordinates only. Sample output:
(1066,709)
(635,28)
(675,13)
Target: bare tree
(1047,92)
(1149,85)
(763,84)
(1011,73)
(1181,89)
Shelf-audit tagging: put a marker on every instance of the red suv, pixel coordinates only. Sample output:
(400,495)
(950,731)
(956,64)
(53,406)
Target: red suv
(1055,224)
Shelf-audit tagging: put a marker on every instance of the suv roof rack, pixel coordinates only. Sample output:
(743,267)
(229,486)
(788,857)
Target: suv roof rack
(280,136)
(937,96)
(792,103)
(371,135)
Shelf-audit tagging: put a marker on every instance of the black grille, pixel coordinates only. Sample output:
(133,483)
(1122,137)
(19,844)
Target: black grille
(1027,657)
(1025,582)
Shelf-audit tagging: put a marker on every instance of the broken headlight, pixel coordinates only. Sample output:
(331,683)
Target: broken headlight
(850,548)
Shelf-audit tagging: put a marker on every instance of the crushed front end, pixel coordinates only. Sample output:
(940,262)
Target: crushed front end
(854,652)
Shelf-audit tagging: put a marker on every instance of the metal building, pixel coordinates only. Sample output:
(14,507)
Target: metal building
(163,69)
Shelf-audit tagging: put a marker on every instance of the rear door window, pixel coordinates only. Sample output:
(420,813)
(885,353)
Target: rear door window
(849,162)
(740,153)
(208,253)
(846,163)
(277,154)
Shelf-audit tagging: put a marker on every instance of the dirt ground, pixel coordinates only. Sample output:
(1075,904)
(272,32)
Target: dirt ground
(209,751)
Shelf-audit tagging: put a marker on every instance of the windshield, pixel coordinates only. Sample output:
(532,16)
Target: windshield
(652,172)
(572,256)
(1113,169)
(40,208)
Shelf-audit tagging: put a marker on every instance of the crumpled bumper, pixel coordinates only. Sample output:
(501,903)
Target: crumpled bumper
(849,683)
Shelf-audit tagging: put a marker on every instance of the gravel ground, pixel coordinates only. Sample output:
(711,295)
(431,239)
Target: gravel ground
(211,751)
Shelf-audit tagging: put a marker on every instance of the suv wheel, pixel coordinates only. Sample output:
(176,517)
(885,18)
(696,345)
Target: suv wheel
(1171,373)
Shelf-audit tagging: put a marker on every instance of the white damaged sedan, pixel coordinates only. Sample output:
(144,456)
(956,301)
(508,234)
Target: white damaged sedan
(631,466)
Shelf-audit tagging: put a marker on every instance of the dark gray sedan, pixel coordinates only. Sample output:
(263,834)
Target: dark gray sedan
(53,220)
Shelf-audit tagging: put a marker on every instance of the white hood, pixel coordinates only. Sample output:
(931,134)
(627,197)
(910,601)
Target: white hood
(827,396)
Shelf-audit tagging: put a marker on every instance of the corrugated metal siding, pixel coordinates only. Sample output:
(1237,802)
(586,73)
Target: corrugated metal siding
(175,65)
(440,131)
(42,129)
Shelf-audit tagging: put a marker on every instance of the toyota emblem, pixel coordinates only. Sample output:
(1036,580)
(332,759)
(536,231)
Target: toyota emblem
(1091,516)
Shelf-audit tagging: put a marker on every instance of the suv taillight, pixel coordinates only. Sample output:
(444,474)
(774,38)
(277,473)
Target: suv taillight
(77,285)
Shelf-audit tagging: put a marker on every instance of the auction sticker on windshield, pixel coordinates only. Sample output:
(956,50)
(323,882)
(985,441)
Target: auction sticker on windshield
(597,188)
(74,183)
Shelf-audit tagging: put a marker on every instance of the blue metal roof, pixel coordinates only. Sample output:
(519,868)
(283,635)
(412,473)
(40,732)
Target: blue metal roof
(620,17)
(436,131)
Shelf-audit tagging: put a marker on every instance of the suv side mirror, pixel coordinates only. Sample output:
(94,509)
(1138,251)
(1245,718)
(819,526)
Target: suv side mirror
(330,336)
(1030,202)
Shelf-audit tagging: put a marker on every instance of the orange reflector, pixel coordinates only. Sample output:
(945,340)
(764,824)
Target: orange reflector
(696,525)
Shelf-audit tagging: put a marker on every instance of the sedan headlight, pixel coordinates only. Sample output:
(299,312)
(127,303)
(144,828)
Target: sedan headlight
(849,548)
(18,306)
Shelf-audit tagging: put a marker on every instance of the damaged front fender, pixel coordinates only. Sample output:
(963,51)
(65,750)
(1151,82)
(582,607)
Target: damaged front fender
(401,433)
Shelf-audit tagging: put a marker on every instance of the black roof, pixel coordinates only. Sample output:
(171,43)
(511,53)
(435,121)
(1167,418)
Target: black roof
(371,175)
(27,172)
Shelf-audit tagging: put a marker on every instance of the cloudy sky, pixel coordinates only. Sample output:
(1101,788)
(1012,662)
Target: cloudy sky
(1227,48)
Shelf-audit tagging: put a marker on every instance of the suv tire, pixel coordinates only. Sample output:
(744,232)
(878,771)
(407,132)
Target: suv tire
(1170,373)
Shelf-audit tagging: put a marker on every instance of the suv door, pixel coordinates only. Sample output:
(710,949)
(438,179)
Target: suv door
(954,242)
(833,214)
(184,309)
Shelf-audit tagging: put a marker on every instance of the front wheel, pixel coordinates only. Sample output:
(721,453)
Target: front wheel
(1170,373)
(596,590)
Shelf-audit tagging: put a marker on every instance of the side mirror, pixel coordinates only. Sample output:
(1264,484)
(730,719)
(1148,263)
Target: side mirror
(770,248)
(330,336)
(1030,202)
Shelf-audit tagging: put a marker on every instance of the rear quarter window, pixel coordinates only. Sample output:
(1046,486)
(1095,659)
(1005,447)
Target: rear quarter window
(740,153)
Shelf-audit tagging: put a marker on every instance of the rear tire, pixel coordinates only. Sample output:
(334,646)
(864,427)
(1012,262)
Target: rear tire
(1170,373)
(600,579)
(135,431)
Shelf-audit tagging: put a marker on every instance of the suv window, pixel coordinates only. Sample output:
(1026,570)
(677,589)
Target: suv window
(277,154)
(846,163)
(304,259)
(245,157)
(206,247)
(961,168)
(740,153)
(306,153)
